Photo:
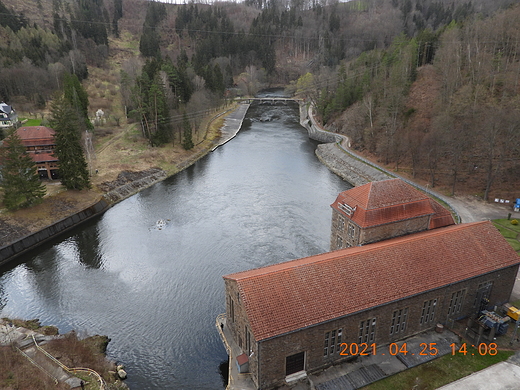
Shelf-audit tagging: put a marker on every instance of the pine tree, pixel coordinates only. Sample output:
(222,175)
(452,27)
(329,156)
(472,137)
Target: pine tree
(187,142)
(20,180)
(77,97)
(73,167)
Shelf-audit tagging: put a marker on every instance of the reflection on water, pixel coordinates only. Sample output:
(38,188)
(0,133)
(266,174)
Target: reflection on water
(260,199)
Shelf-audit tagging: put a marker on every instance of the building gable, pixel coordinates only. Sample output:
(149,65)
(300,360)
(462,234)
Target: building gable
(285,297)
(382,202)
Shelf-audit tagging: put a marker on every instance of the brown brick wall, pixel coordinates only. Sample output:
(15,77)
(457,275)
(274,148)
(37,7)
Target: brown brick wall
(340,229)
(371,234)
(396,229)
(272,353)
(238,324)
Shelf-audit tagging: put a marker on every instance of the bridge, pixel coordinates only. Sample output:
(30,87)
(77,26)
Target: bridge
(268,100)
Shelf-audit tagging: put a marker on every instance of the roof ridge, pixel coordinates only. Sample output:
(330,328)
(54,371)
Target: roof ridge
(314,259)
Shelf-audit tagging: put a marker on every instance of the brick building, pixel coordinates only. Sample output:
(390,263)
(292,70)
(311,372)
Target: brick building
(383,209)
(39,143)
(290,319)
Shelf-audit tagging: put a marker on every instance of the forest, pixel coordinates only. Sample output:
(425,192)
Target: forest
(429,88)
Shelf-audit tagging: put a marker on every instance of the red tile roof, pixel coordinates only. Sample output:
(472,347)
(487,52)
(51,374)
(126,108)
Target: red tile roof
(35,135)
(442,216)
(43,157)
(381,202)
(292,295)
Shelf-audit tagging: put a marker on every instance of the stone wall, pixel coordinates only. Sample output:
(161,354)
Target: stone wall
(315,131)
(31,241)
(336,158)
(133,186)
(238,324)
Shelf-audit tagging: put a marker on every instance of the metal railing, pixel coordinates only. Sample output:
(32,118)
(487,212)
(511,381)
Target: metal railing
(37,365)
(88,371)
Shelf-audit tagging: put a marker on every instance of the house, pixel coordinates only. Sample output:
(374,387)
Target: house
(290,319)
(39,143)
(8,116)
(383,209)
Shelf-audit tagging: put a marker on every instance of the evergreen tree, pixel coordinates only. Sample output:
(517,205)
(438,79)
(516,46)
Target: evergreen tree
(20,180)
(73,167)
(91,20)
(77,98)
(187,141)
(149,43)
(118,14)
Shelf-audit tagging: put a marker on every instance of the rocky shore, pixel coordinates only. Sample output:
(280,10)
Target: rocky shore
(29,350)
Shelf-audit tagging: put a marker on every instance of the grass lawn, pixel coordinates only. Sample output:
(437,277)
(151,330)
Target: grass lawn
(439,372)
(510,232)
(33,122)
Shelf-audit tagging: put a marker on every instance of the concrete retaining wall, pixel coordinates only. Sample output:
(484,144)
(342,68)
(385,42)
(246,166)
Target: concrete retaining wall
(314,130)
(31,241)
(332,155)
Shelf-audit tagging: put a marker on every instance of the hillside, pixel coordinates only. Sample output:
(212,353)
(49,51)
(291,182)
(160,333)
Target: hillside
(417,91)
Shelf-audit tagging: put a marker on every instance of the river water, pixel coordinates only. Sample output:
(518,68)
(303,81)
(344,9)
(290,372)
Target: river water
(260,199)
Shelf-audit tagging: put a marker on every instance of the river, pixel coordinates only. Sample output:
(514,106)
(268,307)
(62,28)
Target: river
(155,290)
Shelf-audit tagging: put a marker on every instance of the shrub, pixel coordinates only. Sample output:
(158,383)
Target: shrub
(514,222)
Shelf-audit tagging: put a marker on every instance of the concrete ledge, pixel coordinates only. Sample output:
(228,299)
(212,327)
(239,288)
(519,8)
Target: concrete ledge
(8,252)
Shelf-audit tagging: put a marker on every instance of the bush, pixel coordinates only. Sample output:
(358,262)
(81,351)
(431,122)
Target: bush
(514,222)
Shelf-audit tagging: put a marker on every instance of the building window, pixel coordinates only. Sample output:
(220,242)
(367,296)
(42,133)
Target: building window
(367,331)
(326,345)
(428,311)
(332,342)
(339,242)
(456,302)
(249,348)
(483,294)
(232,309)
(341,223)
(294,363)
(351,230)
(398,321)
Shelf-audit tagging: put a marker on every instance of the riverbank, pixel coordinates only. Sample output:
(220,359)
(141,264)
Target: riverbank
(125,165)
(29,349)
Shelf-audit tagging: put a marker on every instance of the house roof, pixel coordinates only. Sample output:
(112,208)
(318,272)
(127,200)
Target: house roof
(36,135)
(296,294)
(381,202)
(441,217)
(5,108)
(43,157)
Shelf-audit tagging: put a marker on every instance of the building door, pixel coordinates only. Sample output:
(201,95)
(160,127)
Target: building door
(294,363)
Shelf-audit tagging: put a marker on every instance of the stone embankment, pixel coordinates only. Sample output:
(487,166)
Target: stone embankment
(334,155)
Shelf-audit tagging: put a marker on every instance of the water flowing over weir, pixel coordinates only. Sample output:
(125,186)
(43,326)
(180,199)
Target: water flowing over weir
(156,289)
